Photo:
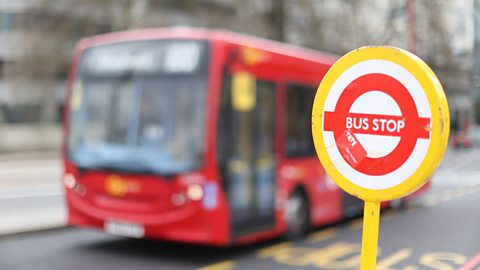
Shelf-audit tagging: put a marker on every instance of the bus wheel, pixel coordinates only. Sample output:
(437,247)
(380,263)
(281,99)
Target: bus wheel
(297,215)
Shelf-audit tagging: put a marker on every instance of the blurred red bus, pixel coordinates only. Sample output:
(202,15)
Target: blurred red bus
(195,136)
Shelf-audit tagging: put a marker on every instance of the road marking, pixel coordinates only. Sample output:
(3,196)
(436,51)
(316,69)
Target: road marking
(430,201)
(449,178)
(290,255)
(439,260)
(387,263)
(460,192)
(322,235)
(446,199)
(355,224)
(461,160)
(388,215)
(225,265)
(269,251)
(340,255)
(475,261)
(447,195)
(471,191)
(410,209)
(344,255)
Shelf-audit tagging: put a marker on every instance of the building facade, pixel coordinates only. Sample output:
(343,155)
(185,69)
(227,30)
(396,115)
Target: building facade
(442,34)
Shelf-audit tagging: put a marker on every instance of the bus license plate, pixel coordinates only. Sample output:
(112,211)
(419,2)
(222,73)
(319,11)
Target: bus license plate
(125,229)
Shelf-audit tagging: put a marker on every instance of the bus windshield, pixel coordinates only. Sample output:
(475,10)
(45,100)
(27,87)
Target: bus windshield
(140,106)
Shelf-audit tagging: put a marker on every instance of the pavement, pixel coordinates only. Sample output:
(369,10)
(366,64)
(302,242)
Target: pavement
(31,194)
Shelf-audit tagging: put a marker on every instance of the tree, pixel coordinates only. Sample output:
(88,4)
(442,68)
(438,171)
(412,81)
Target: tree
(340,26)
(51,29)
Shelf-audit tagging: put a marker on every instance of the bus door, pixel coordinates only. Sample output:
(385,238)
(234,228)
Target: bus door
(246,141)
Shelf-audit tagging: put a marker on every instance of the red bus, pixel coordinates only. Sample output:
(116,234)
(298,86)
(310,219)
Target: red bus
(194,135)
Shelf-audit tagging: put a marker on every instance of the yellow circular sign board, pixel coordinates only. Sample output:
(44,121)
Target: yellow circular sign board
(380,123)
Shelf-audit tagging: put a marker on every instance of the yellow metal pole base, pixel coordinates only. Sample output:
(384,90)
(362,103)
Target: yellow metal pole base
(371,222)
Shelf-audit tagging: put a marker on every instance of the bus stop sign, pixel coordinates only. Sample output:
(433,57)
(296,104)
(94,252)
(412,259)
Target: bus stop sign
(380,123)
(380,126)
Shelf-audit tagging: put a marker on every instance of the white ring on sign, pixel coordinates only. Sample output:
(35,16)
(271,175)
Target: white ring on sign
(420,150)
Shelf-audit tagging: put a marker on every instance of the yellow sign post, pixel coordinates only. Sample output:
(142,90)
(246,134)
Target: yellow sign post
(380,125)
(371,224)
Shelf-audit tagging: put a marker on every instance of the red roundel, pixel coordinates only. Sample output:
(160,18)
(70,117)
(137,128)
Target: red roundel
(344,124)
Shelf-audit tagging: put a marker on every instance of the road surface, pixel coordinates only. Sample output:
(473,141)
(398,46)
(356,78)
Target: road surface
(441,230)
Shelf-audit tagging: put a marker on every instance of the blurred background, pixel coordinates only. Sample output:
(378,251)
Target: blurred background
(37,39)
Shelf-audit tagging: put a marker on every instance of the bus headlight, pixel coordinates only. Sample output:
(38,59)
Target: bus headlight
(194,192)
(69,180)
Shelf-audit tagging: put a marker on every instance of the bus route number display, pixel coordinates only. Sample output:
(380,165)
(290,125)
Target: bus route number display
(380,125)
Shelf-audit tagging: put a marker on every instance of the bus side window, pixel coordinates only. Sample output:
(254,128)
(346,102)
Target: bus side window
(224,130)
(223,116)
(299,142)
